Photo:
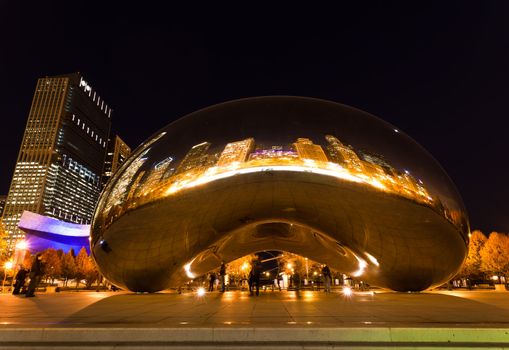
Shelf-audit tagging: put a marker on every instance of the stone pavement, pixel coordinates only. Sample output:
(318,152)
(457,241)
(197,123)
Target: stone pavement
(457,316)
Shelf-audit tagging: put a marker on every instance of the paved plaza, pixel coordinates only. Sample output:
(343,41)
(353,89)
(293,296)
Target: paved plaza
(270,309)
(107,320)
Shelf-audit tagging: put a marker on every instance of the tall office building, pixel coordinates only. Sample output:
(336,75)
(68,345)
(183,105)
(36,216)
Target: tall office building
(116,154)
(2,204)
(342,154)
(306,149)
(196,157)
(236,152)
(60,161)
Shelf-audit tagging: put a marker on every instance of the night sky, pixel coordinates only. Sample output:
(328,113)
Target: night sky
(439,71)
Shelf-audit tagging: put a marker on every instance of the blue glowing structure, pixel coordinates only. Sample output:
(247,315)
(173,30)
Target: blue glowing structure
(43,232)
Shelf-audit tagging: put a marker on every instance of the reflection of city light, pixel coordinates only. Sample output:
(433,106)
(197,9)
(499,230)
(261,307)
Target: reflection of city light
(200,292)
(8,265)
(347,291)
(289,265)
(22,245)
(362,267)
(372,259)
(240,158)
(245,266)
(187,268)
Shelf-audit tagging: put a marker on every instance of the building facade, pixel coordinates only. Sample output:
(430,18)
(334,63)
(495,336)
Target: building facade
(2,204)
(60,162)
(117,153)
(306,149)
(236,152)
(196,157)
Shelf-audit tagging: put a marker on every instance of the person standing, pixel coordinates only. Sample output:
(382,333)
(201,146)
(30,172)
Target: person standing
(250,281)
(222,274)
(257,270)
(327,278)
(20,280)
(212,279)
(36,272)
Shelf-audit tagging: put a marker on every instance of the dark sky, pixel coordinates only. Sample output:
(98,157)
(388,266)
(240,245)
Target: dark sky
(439,71)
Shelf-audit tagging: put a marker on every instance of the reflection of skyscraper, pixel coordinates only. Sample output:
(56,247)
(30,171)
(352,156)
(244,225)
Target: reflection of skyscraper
(236,152)
(196,157)
(125,181)
(61,157)
(380,161)
(306,149)
(156,173)
(343,155)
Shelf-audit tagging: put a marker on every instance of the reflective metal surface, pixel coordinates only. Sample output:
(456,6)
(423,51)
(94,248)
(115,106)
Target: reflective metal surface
(308,176)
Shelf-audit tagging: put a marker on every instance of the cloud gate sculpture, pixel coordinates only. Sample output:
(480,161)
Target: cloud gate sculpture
(308,176)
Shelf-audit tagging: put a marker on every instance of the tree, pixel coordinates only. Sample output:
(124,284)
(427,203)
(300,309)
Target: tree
(472,264)
(52,264)
(495,254)
(81,265)
(85,269)
(3,242)
(91,273)
(68,266)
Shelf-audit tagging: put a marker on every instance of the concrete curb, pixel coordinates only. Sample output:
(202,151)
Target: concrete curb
(209,336)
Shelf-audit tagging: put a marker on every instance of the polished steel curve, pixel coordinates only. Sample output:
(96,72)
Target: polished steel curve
(313,177)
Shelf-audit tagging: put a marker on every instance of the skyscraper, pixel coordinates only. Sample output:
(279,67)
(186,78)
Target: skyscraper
(343,155)
(306,149)
(196,157)
(236,152)
(60,161)
(3,198)
(117,153)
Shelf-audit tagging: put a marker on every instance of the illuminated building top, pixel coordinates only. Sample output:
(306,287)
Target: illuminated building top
(307,150)
(236,152)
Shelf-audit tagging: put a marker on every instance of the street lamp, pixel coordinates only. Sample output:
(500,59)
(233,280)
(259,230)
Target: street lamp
(20,252)
(7,266)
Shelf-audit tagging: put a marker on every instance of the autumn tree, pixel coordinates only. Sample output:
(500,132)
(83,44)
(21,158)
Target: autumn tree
(472,264)
(68,266)
(52,264)
(495,254)
(81,265)
(3,242)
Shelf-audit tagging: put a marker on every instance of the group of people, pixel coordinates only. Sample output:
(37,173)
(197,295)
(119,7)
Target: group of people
(222,275)
(34,274)
(253,279)
(255,274)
